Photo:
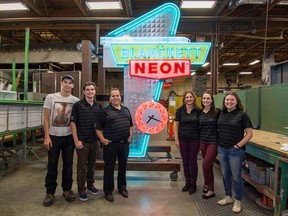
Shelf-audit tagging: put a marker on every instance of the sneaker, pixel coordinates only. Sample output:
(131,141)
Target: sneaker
(109,197)
(83,196)
(93,190)
(225,201)
(237,206)
(49,200)
(186,187)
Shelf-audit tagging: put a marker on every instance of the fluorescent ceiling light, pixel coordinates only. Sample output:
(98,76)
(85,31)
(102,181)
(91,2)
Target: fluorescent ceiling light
(254,62)
(283,2)
(205,64)
(231,64)
(66,63)
(12,6)
(105,4)
(246,72)
(198,4)
(193,73)
(208,73)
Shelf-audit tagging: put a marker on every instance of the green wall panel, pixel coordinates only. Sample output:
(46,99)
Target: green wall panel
(219,100)
(274,108)
(253,106)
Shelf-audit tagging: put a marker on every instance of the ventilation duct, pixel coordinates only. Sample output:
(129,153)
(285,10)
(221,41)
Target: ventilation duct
(233,4)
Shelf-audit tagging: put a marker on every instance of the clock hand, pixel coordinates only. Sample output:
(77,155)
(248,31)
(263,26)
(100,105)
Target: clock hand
(155,119)
(150,117)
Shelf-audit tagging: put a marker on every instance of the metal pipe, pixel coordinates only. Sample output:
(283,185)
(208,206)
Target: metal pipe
(97,42)
(26,64)
(121,19)
(14,75)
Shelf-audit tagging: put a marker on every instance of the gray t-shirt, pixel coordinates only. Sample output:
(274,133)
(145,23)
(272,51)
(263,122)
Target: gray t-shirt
(61,108)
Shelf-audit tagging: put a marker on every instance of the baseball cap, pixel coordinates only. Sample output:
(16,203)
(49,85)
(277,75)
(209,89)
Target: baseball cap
(69,77)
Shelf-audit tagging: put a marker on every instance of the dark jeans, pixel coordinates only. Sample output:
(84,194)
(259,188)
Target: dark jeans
(112,151)
(66,145)
(189,152)
(86,158)
(209,153)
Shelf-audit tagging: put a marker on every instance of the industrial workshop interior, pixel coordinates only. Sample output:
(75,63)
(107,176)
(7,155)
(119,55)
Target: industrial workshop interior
(153,52)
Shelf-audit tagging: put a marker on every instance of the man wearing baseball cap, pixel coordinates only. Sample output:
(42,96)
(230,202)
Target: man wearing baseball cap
(58,138)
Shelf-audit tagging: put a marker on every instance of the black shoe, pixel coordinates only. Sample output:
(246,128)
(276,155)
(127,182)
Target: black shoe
(186,187)
(124,193)
(49,200)
(205,190)
(69,195)
(208,197)
(192,189)
(109,197)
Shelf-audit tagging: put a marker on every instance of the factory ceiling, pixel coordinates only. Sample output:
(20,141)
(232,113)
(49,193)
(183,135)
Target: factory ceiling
(241,31)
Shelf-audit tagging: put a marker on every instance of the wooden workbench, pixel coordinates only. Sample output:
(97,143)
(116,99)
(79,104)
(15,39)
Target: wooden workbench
(266,146)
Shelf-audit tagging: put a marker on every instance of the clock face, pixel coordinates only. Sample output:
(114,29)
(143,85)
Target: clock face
(151,117)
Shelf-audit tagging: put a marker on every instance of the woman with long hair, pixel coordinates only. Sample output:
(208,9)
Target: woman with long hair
(208,141)
(186,131)
(235,130)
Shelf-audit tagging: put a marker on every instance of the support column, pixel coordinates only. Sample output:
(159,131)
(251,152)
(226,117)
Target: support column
(101,79)
(86,62)
(214,63)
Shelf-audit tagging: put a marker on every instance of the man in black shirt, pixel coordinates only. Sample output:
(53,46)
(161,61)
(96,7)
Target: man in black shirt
(83,120)
(114,129)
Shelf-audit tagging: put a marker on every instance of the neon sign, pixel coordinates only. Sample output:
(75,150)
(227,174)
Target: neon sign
(195,52)
(149,52)
(159,69)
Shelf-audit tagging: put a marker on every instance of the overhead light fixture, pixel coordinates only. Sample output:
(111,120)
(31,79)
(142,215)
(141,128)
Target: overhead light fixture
(283,2)
(205,64)
(231,64)
(12,6)
(66,63)
(198,4)
(254,62)
(245,72)
(193,73)
(208,73)
(104,4)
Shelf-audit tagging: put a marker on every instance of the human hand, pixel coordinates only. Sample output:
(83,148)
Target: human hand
(177,144)
(47,143)
(79,144)
(105,141)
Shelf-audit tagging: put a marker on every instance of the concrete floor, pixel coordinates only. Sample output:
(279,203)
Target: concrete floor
(150,193)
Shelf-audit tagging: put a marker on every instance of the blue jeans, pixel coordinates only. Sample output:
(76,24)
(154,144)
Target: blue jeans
(231,165)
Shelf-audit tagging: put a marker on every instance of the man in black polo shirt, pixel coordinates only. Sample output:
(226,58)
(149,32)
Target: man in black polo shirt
(83,121)
(114,129)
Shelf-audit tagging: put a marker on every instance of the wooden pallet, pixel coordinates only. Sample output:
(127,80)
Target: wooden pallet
(140,165)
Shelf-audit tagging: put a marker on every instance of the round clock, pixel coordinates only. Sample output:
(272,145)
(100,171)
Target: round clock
(151,117)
